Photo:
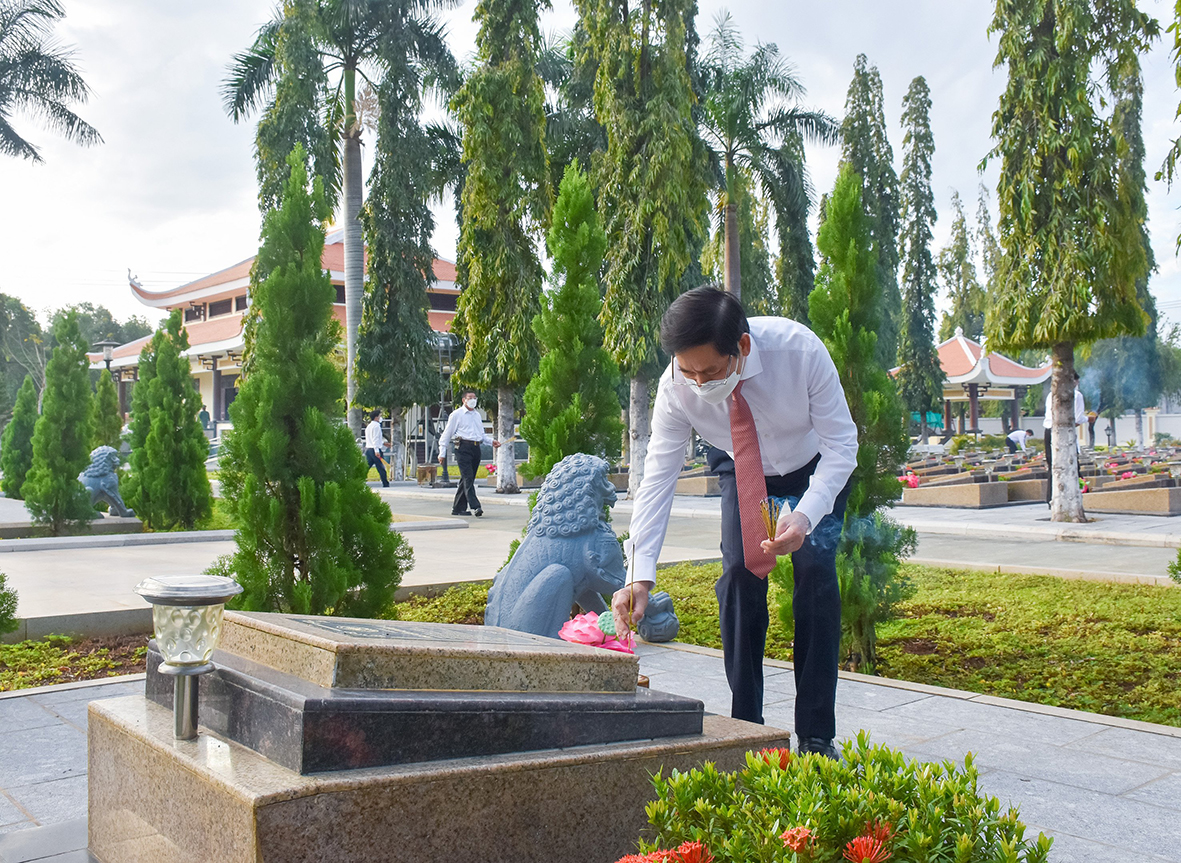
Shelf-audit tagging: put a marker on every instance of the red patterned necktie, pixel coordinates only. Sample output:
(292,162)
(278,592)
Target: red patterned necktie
(752,484)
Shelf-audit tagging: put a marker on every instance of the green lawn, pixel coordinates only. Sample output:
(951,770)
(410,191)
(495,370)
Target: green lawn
(1106,648)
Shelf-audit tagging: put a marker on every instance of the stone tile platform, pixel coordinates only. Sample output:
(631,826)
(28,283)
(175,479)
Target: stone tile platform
(1106,789)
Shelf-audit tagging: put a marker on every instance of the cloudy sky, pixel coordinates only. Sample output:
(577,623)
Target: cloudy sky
(171,192)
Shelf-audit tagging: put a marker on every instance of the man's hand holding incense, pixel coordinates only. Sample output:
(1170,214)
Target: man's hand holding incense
(790,532)
(629,604)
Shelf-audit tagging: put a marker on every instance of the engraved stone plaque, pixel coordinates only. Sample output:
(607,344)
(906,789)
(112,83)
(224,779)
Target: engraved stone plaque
(392,654)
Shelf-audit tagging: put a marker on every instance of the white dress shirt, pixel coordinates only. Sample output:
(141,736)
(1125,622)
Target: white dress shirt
(373,438)
(465,425)
(1018,437)
(1080,409)
(799,409)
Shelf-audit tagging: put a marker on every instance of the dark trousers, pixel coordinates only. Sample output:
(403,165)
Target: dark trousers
(374,461)
(742,605)
(467,459)
(1012,446)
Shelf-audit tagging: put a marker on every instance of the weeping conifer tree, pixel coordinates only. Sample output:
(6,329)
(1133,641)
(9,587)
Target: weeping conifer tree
(16,446)
(107,419)
(174,485)
(313,538)
(571,404)
(61,438)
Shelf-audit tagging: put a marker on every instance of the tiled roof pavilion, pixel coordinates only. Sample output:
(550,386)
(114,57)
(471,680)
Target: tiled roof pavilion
(972,374)
(214,306)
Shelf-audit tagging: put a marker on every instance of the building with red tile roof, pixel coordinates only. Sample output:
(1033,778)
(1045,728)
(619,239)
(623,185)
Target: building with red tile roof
(214,306)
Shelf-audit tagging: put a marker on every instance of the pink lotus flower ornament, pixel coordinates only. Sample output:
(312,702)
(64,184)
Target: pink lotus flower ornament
(585,629)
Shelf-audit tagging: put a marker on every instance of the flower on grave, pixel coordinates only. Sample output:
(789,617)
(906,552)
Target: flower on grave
(1127,475)
(584,629)
(797,839)
(491,469)
(780,757)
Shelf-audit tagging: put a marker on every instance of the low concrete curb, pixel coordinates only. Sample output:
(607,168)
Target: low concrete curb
(55,543)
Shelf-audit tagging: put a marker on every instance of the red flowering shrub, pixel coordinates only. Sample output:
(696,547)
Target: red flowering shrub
(782,757)
(873,806)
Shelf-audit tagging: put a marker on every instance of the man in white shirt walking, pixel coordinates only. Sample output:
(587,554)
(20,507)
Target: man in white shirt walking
(766,394)
(374,441)
(466,429)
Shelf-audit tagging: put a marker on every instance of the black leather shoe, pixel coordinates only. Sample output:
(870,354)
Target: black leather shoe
(818,745)
(478,513)
(465,512)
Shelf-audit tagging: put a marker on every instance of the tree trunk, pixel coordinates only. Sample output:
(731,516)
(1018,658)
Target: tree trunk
(733,272)
(397,444)
(1067,501)
(354,249)
(640,432)
(1140,427)
(625,446)
(506,464)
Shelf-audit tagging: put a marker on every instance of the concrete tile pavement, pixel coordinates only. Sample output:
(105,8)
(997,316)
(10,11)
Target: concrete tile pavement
(1105,792)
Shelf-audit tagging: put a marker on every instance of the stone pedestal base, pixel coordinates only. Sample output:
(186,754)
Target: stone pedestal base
(153,798)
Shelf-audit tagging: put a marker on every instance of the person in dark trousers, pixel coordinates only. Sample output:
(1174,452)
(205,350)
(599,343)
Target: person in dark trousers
(373,444)
(766,394)
(465,429)
(1016,440)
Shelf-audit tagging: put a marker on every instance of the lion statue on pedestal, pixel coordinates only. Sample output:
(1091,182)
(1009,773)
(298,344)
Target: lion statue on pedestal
(102,481)
(569,555)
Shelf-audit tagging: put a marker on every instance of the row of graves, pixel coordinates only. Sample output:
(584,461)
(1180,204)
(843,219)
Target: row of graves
(1140,481)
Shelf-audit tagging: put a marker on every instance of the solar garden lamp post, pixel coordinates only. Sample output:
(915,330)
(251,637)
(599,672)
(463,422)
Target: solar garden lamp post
(107,347)
(187,618)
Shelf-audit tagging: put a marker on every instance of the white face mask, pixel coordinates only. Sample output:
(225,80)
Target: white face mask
(715,392)
(471,404)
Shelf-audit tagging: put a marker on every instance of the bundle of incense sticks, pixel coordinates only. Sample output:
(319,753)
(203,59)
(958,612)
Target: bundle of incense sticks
(770,507)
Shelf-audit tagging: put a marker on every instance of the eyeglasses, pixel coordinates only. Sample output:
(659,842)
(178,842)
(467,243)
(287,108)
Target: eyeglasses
(707,385)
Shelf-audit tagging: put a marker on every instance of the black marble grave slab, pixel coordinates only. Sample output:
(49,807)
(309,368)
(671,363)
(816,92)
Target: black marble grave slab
(310,728)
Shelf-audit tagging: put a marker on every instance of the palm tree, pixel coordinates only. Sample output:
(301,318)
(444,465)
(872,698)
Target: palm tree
(38,77)
(752,124)
(370,38)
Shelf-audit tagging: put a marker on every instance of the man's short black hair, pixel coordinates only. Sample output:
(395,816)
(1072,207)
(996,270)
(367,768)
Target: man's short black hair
(704,316)
(375,415)
(470,393)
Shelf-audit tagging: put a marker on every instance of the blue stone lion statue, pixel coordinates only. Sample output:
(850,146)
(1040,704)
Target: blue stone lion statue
(102,482)
(569,555)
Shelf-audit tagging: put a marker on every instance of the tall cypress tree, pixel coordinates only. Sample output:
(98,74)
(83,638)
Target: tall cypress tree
(920,378)
(139,426)
(505,206)
(958,271)
(16,445)
(397,364)
(571,404)
(845,314)
(313,538)
(108,419)
(795,269)
(1070,223)
(173,483)
(651,182)
(866,148)
(62,436)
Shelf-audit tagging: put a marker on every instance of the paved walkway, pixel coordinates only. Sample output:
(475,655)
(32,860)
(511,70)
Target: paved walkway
(1108,790)
(73,580)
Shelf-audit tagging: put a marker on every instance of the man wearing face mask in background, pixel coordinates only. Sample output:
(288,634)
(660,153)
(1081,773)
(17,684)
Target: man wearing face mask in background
(766,395)
(466,428)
